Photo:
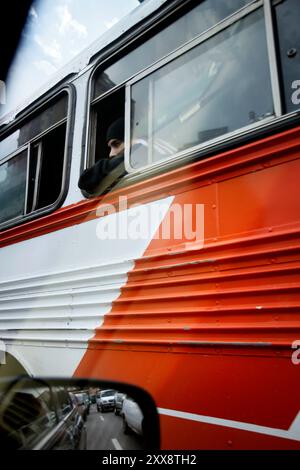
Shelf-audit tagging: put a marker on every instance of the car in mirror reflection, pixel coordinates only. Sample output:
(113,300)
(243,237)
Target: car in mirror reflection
(105,400)
(132,417)
(119,398)
(83,403)
(59,414)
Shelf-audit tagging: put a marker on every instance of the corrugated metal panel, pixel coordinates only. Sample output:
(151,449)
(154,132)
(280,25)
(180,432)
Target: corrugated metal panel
(59,307)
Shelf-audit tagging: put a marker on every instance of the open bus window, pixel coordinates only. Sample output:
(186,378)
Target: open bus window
(106,166)
(177,32)
(210,79)
(32,178)
(105,112)
(206,92)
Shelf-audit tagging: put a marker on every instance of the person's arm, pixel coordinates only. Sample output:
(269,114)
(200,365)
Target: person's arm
(91,178)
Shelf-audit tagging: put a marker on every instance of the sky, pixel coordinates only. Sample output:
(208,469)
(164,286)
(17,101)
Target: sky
(55,32)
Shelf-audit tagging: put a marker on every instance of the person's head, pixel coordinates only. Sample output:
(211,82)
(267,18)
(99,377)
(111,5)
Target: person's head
(115,138)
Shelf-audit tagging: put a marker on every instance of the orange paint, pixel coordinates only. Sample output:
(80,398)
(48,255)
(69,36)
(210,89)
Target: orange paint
(209,330)
(177,327)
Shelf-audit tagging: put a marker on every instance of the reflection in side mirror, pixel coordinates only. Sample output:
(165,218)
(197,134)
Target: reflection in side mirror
(77,414)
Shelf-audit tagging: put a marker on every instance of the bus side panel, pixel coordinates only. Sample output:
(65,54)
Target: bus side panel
(208,330)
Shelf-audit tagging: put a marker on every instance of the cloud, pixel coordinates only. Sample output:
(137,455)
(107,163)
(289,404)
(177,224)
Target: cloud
(45,67)
(68,23)
(52,49)
(109,24)
(33,13)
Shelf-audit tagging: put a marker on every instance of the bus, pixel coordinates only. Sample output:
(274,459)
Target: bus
(183,277)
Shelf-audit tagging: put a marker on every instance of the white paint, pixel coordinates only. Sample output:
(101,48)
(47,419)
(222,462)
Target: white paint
(57,288)
(293,433)
(73,248)
(91,276)
(74,193)
(46,361)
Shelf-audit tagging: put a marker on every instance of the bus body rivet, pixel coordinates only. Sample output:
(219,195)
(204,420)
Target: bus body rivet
(292,52)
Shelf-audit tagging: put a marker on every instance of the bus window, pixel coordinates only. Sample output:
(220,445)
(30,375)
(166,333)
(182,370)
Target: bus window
(288,19)
(108,94)
(204,93)
(194,22)
(13,186)
(106,111)
(51,169)
(32,177)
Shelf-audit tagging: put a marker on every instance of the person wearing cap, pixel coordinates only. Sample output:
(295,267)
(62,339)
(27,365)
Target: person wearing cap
(106,172)
(115,138)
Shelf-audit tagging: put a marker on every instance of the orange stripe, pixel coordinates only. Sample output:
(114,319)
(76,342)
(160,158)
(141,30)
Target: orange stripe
(242,287)
(272,150)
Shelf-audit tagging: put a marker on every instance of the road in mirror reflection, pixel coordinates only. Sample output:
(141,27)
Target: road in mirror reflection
(38,416)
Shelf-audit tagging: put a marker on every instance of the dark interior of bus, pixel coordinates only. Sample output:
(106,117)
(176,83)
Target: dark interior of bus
(106,112)
(52,166)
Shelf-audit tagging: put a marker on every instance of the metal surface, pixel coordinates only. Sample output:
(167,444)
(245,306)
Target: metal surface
(274,69)
(206,327)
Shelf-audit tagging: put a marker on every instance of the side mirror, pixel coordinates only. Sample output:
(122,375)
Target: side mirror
(76,414)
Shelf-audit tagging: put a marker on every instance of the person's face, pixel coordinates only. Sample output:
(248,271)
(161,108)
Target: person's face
(116,147)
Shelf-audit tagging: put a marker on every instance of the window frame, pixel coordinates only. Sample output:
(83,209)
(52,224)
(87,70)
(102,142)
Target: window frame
(275,123)
(24,116)
(10,157)
(249,9)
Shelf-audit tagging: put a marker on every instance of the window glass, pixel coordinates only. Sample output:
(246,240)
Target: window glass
(205,93)
(28,417)
(195,22)
(13,187)
(47,118)
(45,156)
(63,401)
(10,144)
(51,167)
(54,113)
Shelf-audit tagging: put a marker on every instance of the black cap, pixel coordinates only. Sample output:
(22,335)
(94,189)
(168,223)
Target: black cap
(116,130)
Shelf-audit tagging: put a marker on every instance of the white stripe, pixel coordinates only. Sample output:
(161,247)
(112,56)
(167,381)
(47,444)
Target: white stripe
(53,300)
(101,417)
(293,433)
(116,444)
